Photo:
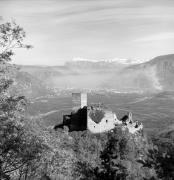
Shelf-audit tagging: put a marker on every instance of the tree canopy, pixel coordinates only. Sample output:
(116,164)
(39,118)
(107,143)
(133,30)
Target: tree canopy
(18,148)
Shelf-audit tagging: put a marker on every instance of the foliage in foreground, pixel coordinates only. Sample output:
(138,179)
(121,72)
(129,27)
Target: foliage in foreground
(161,158)
(119,158)
(19,150)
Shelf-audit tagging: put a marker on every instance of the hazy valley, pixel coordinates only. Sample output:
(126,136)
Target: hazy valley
(152,76)
(145,89)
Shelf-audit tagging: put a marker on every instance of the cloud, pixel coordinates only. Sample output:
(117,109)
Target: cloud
(157,37)
(113,11)
(99,29)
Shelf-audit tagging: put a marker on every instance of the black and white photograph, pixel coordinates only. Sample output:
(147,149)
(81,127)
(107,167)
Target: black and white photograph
(86,89)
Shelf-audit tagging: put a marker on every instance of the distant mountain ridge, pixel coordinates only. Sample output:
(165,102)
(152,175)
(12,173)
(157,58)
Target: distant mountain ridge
(115,60)
(163,69)
(151,76)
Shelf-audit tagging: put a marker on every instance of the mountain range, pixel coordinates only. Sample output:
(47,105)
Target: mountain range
(155,75)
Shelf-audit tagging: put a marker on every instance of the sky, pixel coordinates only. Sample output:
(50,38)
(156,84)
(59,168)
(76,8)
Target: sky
(65,30)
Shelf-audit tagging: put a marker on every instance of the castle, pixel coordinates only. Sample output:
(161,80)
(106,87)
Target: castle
(95,118)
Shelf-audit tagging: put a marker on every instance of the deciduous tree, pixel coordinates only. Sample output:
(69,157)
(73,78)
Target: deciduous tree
(18,149)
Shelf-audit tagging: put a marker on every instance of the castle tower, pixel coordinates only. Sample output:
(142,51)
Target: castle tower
(79,100)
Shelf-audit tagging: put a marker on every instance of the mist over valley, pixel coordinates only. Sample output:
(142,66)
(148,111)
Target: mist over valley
(145,89)
(155,75)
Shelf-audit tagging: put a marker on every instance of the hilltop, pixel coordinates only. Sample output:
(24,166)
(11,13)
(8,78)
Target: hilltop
(161,69)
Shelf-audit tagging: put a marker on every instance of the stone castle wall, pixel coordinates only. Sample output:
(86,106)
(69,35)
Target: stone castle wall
(108,122)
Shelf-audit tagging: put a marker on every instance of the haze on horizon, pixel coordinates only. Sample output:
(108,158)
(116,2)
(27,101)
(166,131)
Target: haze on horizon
(61,30)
